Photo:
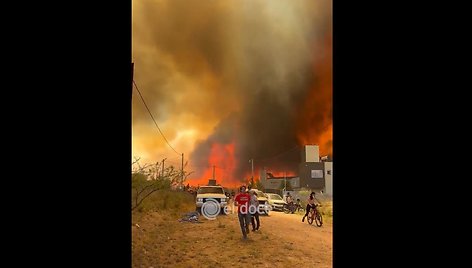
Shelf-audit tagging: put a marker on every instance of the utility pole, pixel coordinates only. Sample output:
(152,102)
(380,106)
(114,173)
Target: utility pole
(213,171)
(285,181)
(163,167)
(252,169)
(182,180)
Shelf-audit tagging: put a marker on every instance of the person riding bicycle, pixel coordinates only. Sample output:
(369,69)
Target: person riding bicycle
(290,204)
(289,199)
(310,204)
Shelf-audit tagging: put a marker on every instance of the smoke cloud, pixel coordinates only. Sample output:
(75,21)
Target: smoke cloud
(256,75)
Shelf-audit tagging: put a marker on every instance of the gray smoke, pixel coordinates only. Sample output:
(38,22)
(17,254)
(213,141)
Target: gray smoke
(252,65)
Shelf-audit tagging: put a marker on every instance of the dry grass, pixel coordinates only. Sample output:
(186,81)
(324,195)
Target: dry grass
(162,241)
(166,200)
(327,211)
(220,225)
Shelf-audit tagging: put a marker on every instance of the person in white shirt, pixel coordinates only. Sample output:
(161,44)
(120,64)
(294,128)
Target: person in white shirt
(254,211)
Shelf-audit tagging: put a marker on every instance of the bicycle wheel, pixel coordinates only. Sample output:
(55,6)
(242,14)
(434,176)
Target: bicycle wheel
(286,209)
(319,219)
(310,217)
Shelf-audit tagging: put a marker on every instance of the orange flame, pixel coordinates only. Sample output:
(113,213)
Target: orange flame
(277,174)
(315,121)
(282,174)
(223,159)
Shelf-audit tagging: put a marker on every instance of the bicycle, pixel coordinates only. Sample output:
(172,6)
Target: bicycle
(289,208)
(315,215)
(299,207)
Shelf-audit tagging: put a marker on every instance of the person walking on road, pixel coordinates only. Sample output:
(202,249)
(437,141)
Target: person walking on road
(242,200)
(254,210)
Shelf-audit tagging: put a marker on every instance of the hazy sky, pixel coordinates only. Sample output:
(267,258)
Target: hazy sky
(232,80)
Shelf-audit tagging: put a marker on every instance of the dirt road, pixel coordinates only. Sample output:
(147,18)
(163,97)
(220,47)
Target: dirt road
(282,241)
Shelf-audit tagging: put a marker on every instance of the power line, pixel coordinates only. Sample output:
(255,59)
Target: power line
(153,118)
(171,159)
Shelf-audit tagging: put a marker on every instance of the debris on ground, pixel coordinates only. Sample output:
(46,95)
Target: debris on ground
(190,217)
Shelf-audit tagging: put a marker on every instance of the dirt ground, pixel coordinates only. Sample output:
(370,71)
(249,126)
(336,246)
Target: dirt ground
(282,241)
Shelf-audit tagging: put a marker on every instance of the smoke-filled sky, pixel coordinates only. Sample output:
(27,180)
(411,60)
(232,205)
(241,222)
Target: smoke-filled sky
(229,81)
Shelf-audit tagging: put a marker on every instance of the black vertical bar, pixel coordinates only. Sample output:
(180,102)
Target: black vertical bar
(132,78)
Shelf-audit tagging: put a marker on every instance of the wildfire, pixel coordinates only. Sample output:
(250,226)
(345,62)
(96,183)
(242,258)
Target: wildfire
(315,122)
(282,174)
(224,162)
(324,140)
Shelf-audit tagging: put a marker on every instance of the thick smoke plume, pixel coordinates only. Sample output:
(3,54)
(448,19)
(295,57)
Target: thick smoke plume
(254,76)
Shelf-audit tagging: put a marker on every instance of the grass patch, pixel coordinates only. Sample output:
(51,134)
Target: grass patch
(175,202)
(326,209)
